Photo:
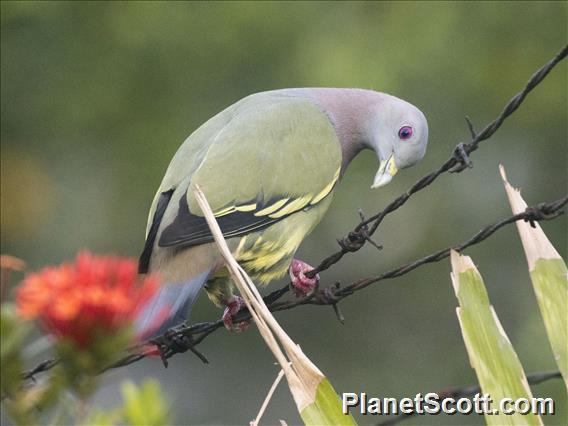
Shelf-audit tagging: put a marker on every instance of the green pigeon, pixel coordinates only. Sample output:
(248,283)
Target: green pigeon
(268,165)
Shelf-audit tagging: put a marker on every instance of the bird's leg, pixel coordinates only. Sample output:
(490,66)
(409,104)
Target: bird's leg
(232,306)
(301,284)
(220,292)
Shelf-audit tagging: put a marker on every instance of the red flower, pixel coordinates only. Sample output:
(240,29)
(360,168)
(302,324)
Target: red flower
(96,295)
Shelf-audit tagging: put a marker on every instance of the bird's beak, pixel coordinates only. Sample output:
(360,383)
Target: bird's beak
(387,170)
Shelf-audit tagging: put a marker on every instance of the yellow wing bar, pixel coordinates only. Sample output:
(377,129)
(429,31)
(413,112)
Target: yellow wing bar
(272,208)
(282,207)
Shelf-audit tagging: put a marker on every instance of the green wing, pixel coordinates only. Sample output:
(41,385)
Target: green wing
(259,161)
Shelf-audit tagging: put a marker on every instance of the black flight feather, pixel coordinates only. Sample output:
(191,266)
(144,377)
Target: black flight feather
(163,201)
(189,230)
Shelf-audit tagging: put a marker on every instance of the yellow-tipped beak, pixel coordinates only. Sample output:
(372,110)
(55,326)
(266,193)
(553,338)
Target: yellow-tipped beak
(387,170)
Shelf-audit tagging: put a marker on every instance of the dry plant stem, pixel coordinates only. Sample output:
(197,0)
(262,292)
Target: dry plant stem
(242,283)
(302,375)
(267,399)
(355,240)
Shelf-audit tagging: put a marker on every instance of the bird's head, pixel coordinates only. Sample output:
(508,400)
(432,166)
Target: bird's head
(398,133)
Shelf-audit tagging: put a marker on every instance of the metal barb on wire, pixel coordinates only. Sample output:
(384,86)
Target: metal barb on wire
(365,232)
(461,155)
(338,313)
(542,211)
(472,131)
(326,296)
(357,238)
(174,342)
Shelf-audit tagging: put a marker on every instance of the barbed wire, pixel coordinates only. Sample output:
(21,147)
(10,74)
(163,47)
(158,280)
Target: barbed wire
(42,367)
(168,343)
(538,212)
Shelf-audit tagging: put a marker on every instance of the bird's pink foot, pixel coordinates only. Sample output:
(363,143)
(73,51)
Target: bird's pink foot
(301,284)
(234,305)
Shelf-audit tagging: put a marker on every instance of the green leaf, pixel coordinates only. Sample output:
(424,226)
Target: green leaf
(326,409)
(19,402)
(549,277)
(144,404)
(103,418)
(491,354)
(13,331)
(550,281)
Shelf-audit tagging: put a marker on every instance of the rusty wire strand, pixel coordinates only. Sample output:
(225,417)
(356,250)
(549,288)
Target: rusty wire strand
(329,296)
(332,295)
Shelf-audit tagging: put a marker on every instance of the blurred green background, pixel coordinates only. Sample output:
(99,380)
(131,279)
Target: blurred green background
(96,98)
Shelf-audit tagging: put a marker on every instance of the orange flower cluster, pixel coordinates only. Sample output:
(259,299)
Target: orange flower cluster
(94,296)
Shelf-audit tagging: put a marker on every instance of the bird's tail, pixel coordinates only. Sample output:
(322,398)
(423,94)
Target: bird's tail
(170,307)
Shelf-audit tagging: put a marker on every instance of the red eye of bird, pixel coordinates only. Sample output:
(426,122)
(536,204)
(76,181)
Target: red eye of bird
(405,133)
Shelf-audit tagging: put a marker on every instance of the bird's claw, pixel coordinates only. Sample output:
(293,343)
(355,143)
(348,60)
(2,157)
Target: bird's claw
(302,285)
(233,306)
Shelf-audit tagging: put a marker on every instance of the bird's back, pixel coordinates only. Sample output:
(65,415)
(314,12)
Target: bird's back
(269,149)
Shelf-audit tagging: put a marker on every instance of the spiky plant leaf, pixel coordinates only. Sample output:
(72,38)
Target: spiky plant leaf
(549,277)
(326,408)
(491,354)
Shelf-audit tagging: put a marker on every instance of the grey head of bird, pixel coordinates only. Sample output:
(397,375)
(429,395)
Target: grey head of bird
(364,119)
(399,135)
